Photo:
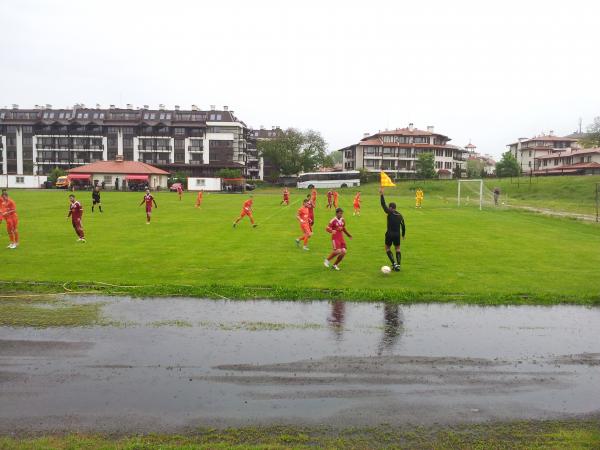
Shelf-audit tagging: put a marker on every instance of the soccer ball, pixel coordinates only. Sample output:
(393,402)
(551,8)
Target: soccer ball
(386,270)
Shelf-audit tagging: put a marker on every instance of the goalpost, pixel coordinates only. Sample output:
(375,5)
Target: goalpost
(480,191)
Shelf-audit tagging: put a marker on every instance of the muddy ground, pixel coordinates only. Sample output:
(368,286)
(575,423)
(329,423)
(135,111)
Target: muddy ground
(171,365)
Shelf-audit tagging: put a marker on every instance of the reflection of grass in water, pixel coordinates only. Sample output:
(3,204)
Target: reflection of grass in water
(259,326)
(41,312)
(171,323)
(533,434)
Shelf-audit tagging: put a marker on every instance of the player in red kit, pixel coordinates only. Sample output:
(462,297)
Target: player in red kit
(303,217)
(199,199)
(337,228)
(246,211)
(311,211)
(180,191)
(149,201)
(357,204)
(329,199)
(8,212)
(335,199)
(286,197)
(75,213)
(313,196)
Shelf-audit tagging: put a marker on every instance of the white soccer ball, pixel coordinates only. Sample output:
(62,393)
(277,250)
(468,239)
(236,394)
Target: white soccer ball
(386,270)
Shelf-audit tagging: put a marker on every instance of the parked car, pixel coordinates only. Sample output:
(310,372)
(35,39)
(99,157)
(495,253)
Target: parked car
(62,182)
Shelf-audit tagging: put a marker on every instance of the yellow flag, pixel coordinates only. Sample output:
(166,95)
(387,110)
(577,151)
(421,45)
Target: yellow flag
(385,180)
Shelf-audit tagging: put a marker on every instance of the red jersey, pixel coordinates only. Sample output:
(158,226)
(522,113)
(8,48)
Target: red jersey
(248,205)
(329,195)
(335,195)
(311,211)
(179,189)
(75,210)
(313,196)
(286,194)
(303,214)
(9,208)
(357,200)
(148,199)
(337,227)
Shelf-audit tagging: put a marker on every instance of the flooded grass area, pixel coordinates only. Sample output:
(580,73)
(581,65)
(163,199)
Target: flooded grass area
(173,364)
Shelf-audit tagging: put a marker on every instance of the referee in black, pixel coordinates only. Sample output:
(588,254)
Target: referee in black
(96,198)
(395,222)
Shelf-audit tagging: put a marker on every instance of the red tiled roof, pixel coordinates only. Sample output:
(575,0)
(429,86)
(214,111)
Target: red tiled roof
(469,145)
(570,168)
(124,167)
(546,138)
(568,152)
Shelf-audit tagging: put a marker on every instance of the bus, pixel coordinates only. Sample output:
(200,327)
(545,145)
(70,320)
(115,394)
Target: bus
(329,179)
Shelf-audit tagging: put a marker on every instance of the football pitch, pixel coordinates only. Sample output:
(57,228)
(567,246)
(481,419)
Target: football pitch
(494,256)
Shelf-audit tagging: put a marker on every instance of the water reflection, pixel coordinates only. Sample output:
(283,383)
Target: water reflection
(393,324)
(336,318)
(393,327)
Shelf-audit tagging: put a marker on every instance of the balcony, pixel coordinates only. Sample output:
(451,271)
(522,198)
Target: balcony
(157,161)
(155,148)
(194,162)
(195,149)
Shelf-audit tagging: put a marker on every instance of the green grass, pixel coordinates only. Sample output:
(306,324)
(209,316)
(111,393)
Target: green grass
(494,256)
(43,312)
(583,434)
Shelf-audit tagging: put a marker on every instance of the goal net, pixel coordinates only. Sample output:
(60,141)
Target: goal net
(474,193)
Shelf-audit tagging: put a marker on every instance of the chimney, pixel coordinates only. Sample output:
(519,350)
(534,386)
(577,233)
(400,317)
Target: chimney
(262,127)
(112,106)
(129,106)
(37,107)
(176,107)
(212,107)
(225,108)
(161,106)
(411,126)
(98,106)
(146,106)
(366,135)
(48,106)
(15,106)
(551,133)
(430,128)
(194,107)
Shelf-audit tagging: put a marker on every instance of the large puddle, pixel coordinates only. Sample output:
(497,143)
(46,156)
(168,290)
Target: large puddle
(176,363)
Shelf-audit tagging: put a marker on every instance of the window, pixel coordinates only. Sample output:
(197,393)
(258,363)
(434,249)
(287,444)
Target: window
(200,182)
(20,180)
(128,130)
(180,131)
(11,129)
(27,140)
(61,115)
(28,129)
(113,130)
(108,179)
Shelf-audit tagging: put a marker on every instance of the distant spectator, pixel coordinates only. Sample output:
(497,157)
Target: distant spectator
(496,195)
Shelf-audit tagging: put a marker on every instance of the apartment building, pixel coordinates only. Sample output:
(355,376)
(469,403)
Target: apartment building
(266,169)
(527,151)
(194,141)
(397,151)
(569,162)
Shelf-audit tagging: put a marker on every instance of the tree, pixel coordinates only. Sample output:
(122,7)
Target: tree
(229,173)
(592,137)
(508,166)
(56,172)
(425,165)
(475,168)
(294,151)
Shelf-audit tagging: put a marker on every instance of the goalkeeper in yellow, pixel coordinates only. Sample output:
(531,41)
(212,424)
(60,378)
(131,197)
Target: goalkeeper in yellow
(419,197)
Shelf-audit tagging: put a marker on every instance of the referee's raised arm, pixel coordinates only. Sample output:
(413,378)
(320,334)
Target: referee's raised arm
(383,205)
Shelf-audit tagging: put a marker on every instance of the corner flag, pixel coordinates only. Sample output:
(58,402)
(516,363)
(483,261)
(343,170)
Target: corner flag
(386,181)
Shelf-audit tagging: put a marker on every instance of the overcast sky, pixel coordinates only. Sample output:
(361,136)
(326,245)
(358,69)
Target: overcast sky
(486,71)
